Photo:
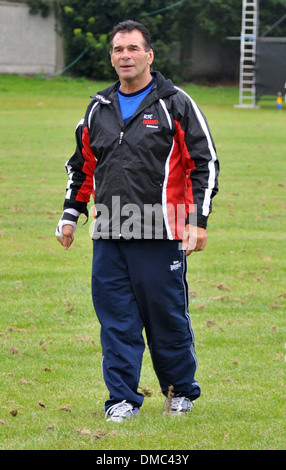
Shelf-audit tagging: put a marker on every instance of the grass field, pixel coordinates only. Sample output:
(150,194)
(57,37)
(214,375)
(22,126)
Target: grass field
(51,387)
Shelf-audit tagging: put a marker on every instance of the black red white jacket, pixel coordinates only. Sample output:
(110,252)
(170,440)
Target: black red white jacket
(163,163)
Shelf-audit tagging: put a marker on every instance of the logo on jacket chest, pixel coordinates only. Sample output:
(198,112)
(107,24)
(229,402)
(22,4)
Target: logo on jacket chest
(149,121)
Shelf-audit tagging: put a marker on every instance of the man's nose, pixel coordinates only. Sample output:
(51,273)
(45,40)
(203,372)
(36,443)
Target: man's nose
(125,54)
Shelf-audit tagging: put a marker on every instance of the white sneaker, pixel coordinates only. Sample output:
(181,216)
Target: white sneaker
(121,411)
(178,406)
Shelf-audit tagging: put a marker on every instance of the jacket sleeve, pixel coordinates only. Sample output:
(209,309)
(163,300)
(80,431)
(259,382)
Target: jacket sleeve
(199,160)
(80,169)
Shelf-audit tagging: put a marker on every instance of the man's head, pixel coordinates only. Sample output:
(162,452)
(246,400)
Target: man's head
(131,54)
(128,26)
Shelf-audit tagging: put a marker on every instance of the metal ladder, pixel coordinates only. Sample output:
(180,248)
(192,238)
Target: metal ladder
(249,34)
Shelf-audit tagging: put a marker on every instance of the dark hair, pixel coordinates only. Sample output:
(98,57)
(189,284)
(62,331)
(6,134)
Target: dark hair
(128,26)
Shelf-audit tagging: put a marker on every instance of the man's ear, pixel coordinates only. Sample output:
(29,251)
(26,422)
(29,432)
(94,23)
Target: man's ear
(111,59)
(151,56)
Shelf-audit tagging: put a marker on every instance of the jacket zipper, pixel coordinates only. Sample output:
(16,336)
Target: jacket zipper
(137,112)
(120,141)
(121,137)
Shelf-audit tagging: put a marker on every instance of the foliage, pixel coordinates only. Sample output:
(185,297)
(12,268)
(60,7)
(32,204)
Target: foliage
(222,18)
(171,23)
(90,26)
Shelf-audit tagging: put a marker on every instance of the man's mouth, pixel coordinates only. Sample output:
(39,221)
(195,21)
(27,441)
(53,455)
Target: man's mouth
(126,67)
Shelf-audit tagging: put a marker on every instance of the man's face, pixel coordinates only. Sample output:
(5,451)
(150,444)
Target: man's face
(129,58)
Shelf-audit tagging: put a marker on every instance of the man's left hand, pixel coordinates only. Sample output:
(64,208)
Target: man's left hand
(195,239)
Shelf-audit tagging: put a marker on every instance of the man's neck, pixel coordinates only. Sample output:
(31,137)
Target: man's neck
(130,86)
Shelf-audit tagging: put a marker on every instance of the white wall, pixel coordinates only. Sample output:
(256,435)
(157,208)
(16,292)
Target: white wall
(29,44)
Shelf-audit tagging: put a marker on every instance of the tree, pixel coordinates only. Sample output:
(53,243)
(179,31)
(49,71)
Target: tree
(88,26)
(171,23)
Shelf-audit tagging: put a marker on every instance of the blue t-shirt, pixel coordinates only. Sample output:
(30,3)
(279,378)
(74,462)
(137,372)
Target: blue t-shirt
(129,103)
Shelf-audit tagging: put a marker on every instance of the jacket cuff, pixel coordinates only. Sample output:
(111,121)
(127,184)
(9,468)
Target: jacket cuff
(197,220)
(78,206)
(69,217)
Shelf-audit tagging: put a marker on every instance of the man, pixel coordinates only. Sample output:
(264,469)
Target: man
(145,151)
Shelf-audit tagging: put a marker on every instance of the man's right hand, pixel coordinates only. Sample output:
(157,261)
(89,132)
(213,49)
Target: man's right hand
(68,236)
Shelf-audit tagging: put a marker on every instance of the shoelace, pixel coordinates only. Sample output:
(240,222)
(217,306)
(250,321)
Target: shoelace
(119,409)
(177,403)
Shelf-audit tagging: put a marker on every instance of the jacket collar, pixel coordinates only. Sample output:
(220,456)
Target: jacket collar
(162,87)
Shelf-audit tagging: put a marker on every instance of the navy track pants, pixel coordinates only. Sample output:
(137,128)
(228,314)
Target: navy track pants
(140,284)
